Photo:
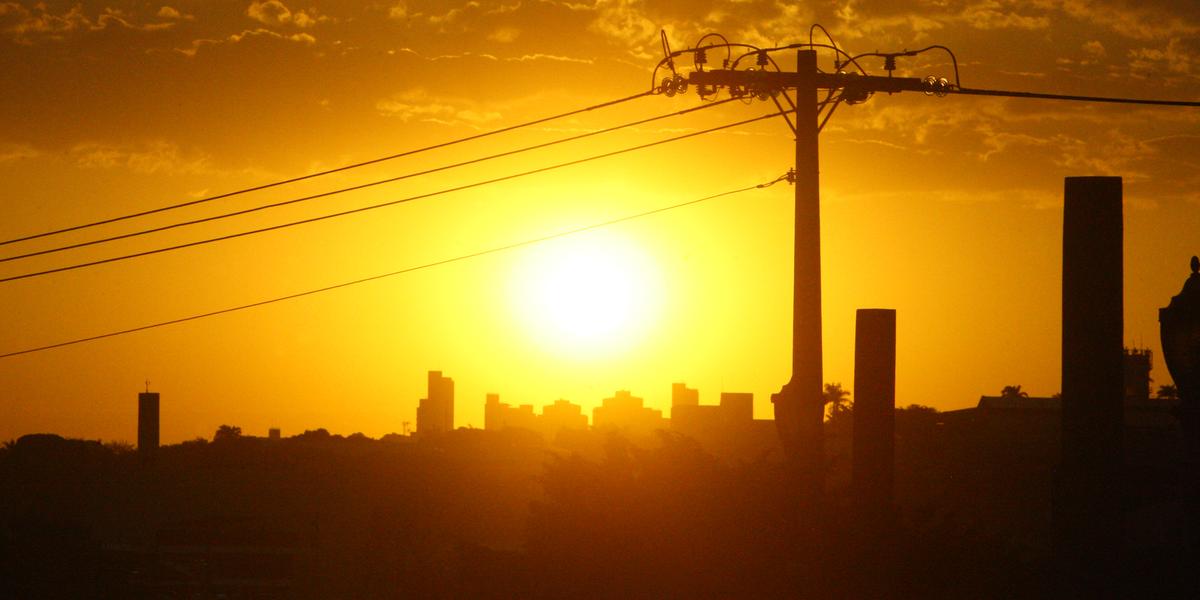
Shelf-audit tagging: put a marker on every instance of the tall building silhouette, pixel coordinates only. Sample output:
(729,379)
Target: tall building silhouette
(561,415)
(728,429)
(738,406)
(435,413)
(626,412)
(498,415)
(682,395)
(147,421)
(1137,363)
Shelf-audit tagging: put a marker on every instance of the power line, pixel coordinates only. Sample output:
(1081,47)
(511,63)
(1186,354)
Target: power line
(1038,95)
(344,284)
(384,204)
(357,187)
(325,172)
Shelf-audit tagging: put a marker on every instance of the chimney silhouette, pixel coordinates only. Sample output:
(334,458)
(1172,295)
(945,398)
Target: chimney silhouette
(147,421)
(874,410)
(1087,512)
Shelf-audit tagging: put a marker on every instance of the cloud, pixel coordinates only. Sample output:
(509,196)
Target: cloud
(274,12)
(418,105)
(167,12)
(492,57)
(16,152)
(26,25)
(453,14)
(398,10)
(550,57)
(625,22)
(300,38)
(1094,49)
(1140,22)
(158,157)
(993,14)
(504,35)
(1175,57)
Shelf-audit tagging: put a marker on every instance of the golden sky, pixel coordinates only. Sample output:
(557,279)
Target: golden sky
(946,209)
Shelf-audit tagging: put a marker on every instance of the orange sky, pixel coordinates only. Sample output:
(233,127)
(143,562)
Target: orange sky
(948,210)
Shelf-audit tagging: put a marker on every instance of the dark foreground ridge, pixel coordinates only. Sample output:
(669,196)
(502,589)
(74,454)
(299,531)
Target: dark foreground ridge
(591,514)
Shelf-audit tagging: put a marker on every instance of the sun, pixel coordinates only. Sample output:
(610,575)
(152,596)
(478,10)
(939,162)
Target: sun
(589,293)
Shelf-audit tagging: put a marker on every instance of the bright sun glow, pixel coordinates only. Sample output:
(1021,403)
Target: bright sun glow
(587,293)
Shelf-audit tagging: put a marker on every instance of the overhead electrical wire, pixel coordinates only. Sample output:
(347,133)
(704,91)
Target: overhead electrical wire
(385,204)
(494,250)
(1042,96)
(325,172)
(356,187)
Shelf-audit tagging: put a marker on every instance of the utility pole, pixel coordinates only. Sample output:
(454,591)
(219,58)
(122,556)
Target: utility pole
(800,404)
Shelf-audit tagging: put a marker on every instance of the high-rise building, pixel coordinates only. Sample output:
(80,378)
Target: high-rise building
(682,395)
(436,412)
(147,421)
(738,407)
(1137,363)
(626,412)
(493,413)
(273,434)
(563,415)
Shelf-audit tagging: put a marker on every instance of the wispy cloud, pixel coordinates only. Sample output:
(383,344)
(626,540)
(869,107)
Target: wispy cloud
(16,152)
(25,25)
(149,158)
(492,57)
(274,12)
(299,38)
(419,105)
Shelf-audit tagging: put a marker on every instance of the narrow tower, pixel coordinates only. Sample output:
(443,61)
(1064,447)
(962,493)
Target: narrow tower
(1087,506)
(147,420)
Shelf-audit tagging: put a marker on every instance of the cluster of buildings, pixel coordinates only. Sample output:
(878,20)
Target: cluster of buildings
(728,427)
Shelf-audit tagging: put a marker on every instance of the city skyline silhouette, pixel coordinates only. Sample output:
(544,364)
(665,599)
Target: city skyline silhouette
(431,295)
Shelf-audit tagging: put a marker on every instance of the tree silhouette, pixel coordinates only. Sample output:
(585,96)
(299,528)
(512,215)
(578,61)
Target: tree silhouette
(1167,392)
(837,398)
(227,432)
(1013,392)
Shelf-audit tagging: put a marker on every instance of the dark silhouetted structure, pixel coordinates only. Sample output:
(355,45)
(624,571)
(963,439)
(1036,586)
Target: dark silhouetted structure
(563,415)
(498,415)
(435,414)
(800,405)
(626,412)
(1138,363)
(682,395)
(874,411)
(1179,330)
(1087,510)
(728,430)
(147,421)
(273,434)
(554,418)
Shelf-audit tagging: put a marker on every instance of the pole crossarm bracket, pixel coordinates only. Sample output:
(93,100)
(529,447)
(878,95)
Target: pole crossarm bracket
(857,88)
(853,85)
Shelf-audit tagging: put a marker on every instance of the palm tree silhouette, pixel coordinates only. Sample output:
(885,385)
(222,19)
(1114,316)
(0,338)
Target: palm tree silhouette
(1013,392)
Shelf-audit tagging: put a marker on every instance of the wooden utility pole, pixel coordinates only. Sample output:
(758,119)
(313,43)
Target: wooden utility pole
(800,405)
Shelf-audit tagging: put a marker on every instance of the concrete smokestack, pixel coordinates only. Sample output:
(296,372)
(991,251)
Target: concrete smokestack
(1087,509)
(874,409)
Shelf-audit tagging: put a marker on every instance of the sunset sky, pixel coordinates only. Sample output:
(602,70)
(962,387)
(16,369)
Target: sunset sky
(948,210)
